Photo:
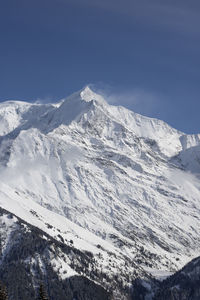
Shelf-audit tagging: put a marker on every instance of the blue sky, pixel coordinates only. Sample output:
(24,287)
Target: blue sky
(141,54)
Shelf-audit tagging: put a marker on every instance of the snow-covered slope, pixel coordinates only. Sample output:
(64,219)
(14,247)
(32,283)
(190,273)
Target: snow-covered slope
(105,177)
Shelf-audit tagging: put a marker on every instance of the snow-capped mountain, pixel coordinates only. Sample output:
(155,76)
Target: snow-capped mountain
(104,180)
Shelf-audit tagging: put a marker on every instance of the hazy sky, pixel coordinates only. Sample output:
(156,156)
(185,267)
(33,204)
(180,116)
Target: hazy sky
(142,54)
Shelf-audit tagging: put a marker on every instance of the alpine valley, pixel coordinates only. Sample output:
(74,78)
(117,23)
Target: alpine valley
(97,203)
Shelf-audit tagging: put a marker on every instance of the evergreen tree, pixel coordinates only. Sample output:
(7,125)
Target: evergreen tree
(42,293)
(3,292)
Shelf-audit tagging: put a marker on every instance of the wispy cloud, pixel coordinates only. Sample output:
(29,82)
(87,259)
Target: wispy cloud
(45,100)
(138,100)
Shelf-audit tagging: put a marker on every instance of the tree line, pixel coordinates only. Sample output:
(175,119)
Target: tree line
(41,292)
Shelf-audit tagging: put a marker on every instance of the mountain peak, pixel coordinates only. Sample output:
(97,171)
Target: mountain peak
(87,94)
